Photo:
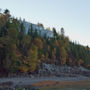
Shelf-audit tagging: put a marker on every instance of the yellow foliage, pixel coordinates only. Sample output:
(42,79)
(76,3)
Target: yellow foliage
(63,61)
(56,43)
(63,56)
(42,57)
(80,62)
(88,66)
(38,43)
(70,61)
(23,68)
(48,47)
(32,67)
(48,28)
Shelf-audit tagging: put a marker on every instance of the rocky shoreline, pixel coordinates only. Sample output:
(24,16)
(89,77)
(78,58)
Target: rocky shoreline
(47,73)
(27,82)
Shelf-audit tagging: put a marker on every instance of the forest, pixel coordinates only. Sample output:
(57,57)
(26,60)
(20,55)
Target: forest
(21,52)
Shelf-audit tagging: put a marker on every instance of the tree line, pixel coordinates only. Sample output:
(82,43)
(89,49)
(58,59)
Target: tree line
(21,52)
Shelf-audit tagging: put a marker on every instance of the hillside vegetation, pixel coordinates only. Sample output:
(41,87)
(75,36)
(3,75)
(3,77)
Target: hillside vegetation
(21,52)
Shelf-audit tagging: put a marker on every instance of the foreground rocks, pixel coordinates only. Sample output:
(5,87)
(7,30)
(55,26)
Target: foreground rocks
(26,83)
(10,86)
(47,70)
(63,71)
(46,73)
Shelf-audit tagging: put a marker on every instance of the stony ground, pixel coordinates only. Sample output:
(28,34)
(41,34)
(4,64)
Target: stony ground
(48,75)
(37,81)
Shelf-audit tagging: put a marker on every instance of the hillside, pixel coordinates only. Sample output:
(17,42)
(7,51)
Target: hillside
(24,47)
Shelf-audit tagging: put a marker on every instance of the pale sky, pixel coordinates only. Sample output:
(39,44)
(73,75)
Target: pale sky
(73,15)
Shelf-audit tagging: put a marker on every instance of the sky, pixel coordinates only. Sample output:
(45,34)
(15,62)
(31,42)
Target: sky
(72,15)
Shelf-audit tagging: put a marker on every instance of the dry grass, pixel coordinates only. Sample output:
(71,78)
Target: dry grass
(65,84)
(45,83)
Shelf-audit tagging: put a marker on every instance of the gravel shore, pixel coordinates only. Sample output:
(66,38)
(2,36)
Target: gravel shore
(30,81)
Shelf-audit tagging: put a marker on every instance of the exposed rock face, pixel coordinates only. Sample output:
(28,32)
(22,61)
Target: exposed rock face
(40,29)
(51,69)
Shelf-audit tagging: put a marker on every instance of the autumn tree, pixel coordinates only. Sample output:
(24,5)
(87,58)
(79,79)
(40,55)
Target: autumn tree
(63,56)
(40,24)
(38,43)
(54,55)
(80,62)
(32,58)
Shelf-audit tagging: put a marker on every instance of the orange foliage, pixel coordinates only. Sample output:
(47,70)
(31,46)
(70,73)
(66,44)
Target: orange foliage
(38,43)
(88,66)
(40,24)
(42,57)
(80,62)
(18,54)
(56,43)
(70,61)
